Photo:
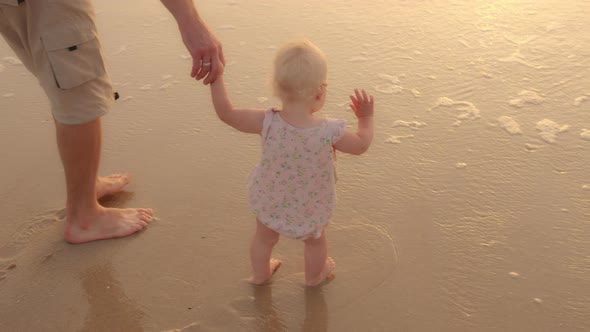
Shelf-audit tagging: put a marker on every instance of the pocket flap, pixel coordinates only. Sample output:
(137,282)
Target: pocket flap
(66,36)
(73,67)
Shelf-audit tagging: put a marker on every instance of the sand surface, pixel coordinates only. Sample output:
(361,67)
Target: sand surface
(470,212)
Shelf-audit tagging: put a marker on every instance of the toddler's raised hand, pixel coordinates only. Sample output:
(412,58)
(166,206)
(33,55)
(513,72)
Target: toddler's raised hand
(362,103)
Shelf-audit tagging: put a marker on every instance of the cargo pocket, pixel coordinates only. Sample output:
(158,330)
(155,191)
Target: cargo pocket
(74,56)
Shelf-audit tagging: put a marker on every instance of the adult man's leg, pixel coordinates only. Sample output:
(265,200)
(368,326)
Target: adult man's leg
(78,102)
(86,220)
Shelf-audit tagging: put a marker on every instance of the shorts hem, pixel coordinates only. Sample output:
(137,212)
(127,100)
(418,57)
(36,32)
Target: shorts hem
(79,121)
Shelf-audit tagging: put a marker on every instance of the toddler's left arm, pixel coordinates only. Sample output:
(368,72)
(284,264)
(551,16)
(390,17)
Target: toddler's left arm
(358,142)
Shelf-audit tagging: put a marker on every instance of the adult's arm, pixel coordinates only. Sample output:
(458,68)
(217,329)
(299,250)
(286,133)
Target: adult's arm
(203,46)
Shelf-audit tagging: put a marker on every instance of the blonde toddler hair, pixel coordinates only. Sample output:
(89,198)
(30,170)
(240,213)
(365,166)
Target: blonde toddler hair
(300,71)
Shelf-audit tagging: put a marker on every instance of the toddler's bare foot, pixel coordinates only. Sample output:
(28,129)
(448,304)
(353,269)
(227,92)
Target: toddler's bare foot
(112,184)
(326,274)
(274,266)
(106,223)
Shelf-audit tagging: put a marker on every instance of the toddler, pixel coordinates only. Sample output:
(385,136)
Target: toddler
(291,190)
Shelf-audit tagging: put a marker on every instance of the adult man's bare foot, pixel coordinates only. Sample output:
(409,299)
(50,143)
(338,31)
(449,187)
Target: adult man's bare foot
(326,274)
(106,223)
(274,266)
(112,184)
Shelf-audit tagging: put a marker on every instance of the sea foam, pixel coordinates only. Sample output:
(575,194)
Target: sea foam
(468,110)
(549,130)
(409,124)
(527,97)
(519,58)
(510,125)
(397,139)
(578,101)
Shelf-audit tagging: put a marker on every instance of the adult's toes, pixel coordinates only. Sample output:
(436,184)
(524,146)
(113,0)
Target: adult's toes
(146,211)
(145,217)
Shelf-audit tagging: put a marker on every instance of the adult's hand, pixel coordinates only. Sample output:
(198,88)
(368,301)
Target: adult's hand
(205,49)
(203,46)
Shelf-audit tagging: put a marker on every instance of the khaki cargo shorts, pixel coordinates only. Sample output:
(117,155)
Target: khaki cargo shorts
(57,42)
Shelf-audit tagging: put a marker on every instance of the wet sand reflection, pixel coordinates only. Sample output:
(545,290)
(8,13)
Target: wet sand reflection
(267,313)
(316,310)
(267,317)
(109,308)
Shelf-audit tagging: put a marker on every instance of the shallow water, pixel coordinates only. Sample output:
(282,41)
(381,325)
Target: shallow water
(470,212)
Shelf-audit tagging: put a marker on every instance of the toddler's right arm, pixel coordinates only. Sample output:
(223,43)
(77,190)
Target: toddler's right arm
(246,120)
(359,142)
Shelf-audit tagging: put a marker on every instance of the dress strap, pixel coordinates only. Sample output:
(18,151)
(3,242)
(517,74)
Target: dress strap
(268,116)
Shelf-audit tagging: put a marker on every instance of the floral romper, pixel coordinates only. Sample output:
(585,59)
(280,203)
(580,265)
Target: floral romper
(291,190)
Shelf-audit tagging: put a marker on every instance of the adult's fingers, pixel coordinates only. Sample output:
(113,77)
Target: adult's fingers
(221,56)
(216,66)
(198,57)
(205,67)
(196,67)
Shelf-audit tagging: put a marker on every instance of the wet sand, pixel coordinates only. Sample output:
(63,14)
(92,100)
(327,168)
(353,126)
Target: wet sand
(470,212)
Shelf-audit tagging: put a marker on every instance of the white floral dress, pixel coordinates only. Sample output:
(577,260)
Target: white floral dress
(291,190)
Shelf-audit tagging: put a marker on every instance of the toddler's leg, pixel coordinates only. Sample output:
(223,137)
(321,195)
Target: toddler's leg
(260,250)
(318,266)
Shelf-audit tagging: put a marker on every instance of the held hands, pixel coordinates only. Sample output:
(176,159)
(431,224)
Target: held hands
(206,51)
(362,103)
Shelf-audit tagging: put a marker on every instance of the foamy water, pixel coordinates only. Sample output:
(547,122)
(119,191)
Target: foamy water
(470,212)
